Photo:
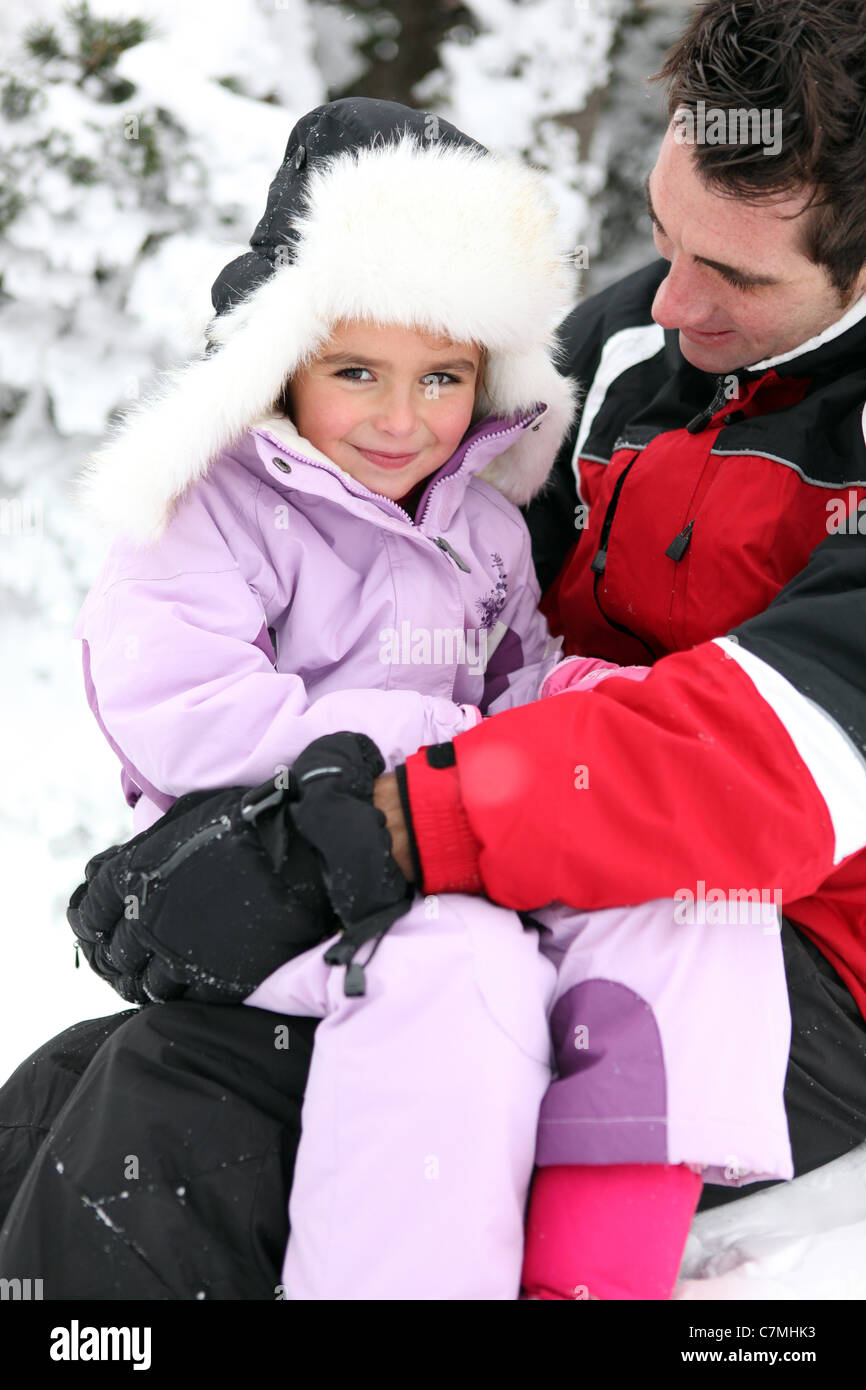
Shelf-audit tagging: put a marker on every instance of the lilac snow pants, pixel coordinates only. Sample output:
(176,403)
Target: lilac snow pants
(429,1099)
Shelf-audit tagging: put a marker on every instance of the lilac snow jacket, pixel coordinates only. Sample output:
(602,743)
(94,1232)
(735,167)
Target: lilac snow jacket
(285,600)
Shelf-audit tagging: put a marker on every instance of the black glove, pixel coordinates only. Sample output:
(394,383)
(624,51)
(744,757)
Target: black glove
(230,884)
(334,812)
(206,903)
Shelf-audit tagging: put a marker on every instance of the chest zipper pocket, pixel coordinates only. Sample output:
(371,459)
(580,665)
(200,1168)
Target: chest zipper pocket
(168,866)
(449,550)
(599,561)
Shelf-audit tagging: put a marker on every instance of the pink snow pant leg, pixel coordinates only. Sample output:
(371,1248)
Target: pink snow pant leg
(671,1041)
(420,1113)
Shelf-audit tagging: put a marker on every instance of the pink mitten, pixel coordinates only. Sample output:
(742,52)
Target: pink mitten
(584,673)
(613,1231)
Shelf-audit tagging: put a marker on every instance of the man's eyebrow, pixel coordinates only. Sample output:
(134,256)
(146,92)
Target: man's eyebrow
(358,360)
(750,277)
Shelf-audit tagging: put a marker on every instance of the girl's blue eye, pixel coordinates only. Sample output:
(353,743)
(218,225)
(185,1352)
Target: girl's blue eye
(347,372)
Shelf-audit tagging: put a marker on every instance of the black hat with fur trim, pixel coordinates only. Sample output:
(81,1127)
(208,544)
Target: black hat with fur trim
(378,213)
(350,123)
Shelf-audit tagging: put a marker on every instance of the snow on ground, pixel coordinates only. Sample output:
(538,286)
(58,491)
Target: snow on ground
(75,345)
(801,1240)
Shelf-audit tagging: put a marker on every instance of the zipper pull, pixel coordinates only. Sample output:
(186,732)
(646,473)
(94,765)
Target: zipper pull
(355,982)
(680,544)
(145,881)
(701,421)
(343,952)
(449,550)
(77,961)
(599,560)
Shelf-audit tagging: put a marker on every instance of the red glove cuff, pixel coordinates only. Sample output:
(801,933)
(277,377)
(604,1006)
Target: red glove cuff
(447,849)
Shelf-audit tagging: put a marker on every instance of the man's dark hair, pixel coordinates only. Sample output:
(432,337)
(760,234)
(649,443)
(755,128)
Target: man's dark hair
(806,59)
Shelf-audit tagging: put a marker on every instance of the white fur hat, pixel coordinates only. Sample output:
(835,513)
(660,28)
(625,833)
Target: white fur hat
(433,235)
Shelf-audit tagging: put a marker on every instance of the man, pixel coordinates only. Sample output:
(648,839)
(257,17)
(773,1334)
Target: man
(721,460)
(715,479)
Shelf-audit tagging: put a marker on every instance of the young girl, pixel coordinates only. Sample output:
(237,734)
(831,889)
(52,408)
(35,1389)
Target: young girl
(320,533)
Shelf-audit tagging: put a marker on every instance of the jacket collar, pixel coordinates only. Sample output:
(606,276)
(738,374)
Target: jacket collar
(836,344)
(477,452)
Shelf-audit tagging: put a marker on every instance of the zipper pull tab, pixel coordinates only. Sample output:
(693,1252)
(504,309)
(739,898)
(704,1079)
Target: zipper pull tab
(599,560)
(355,982)
(701,421)
(449,550)
(680,544)
(77,961)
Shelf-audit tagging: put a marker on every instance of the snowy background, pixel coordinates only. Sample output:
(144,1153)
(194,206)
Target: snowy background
(137,142)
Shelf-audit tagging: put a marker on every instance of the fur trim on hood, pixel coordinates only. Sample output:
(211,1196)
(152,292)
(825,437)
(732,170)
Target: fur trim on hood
(440,237)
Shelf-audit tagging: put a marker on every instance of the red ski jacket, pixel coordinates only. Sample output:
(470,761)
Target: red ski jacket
(719,539)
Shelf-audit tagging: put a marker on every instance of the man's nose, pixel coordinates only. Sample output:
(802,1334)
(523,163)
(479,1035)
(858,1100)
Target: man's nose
(681,300)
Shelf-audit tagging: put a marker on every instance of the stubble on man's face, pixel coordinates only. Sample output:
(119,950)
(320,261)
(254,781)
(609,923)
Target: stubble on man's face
(740,288)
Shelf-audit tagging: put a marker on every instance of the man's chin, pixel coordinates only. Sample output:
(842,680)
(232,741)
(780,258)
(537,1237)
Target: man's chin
(717,356)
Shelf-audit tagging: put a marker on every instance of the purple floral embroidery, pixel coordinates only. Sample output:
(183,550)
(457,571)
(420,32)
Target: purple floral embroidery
(493,603)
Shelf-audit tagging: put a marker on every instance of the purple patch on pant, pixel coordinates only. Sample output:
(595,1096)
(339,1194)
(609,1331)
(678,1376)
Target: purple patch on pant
(609,1102)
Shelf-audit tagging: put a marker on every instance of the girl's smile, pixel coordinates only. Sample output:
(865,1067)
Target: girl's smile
(386,460)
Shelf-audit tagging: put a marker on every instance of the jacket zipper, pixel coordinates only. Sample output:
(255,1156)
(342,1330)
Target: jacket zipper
(701,421)
(680,544)
(499,434)
(449,550)
(599,561)
(168,866)
(438,540)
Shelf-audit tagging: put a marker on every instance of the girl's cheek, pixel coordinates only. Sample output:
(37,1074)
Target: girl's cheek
(453,417)
(333,413)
